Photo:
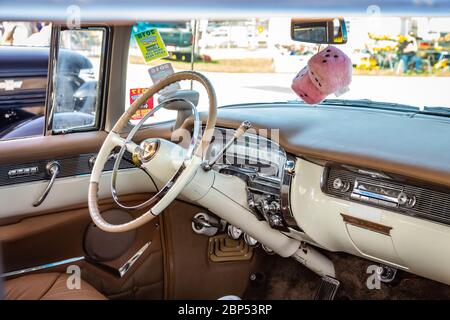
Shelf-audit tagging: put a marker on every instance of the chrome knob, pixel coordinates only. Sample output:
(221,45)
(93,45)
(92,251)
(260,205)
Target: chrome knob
(250,241)
(411,202)
(274,207)
(337,184)
(404,199)
(289,166)
(263,206)
(275,221)
(234,232)
(340,185)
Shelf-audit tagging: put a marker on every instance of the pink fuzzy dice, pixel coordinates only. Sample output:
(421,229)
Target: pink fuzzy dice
(305,88)
(327,72)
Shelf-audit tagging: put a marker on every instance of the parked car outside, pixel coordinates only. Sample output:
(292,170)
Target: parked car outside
(23,85)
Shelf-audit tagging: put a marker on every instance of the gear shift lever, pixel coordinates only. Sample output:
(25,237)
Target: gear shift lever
(207,165)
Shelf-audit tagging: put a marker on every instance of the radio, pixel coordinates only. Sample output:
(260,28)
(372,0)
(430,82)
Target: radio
(382,194)
(389,191)
(364,187)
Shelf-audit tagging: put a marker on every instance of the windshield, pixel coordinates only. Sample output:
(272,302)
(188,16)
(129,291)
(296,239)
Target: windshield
(400,60)
(258,60)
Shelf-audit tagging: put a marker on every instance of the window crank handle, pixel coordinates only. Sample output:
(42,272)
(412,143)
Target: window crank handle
(53,168)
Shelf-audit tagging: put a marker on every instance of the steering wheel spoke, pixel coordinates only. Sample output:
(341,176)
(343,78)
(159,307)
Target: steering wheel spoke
(118,141)
(155,152)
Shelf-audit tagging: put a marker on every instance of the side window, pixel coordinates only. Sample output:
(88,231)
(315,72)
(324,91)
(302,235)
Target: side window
(142,73)
(77,80)
(24,52)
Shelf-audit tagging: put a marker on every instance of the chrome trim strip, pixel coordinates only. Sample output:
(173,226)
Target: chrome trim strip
(285,195)
(51,84)
(42,267)
(124,269)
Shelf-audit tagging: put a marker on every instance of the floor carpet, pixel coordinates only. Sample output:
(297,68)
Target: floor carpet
(286,279)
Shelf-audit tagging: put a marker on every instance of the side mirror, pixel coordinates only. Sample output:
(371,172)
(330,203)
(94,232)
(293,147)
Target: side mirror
(320,31)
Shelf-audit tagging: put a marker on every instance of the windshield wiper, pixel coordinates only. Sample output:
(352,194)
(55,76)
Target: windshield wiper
(436,111)
(366,103)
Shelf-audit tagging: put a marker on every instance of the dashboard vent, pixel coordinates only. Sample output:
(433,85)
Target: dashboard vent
(429,202)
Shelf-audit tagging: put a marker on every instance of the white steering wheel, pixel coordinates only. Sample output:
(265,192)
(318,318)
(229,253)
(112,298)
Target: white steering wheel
(192,160)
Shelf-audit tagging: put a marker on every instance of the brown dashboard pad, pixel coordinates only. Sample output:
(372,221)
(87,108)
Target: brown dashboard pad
(409,144)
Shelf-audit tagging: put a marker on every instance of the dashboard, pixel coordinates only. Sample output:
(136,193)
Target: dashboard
(383,140)
(345,184)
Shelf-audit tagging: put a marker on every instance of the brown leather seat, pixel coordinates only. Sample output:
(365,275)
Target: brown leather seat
(48,286)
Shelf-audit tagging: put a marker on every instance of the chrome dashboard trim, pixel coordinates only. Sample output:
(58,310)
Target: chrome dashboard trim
(285,193)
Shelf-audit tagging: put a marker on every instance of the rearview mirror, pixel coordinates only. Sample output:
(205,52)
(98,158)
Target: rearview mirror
(327,31)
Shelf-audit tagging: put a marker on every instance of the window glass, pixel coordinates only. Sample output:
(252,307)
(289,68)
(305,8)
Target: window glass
(177,38)
(77,95)
(24,52)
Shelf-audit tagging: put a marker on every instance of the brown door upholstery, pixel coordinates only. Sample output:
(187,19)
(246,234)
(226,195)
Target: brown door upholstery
(48,286)
(57,236)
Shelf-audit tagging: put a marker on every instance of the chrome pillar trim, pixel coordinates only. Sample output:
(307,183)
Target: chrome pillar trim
(285,193)
(51,83)
(124,269)
(42,267)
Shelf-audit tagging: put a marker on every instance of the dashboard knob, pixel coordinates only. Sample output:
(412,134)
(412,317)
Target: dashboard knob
(263,206)
(249,240)
(411,202)
(275,221)
(337,183)
(234,232)
(251,204)
(404,199)
(340,185)
(274,207)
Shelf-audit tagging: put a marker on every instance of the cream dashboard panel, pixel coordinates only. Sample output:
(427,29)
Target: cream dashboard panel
(411,244)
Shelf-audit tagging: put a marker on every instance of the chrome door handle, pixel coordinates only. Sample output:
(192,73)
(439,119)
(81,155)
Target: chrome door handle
(53,168)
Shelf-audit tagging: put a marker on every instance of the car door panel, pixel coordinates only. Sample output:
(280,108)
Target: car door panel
(73,152)
(55,230)
(53,237)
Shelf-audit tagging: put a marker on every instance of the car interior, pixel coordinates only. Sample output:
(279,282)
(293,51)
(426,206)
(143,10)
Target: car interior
(255,200)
